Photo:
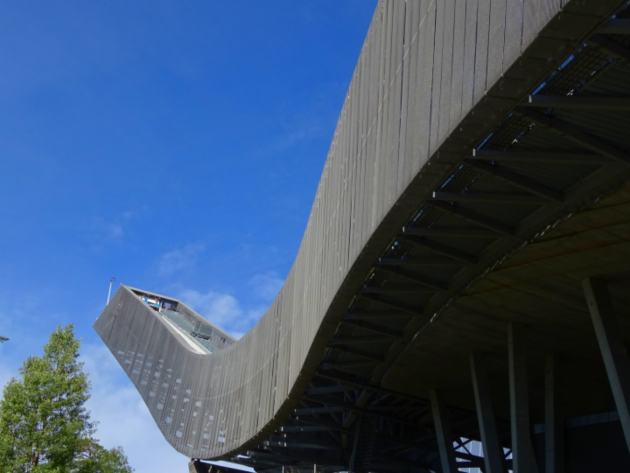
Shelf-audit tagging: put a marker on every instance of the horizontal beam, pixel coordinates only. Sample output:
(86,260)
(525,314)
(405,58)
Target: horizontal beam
(316,421)
(348,365)
(377,314)
(364,384)
(362,410)
(428,282)
(474,217)
(615,26)
(577,102)
(313,411)
(450,231)
(425,260)
(304,428)
(577,134)
(394,304)
(293,444)
(330,389)
(613,48)
(295,438)
(286,456)
(375,328)
(359,340)
(358,352)
(517,180)
(489,197)
(396,288)
(540,157)
(442,249)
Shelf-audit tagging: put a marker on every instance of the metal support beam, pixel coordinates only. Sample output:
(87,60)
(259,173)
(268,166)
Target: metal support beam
(397,289)
(540,157)
(361,410)
(359,382)
(359,340)
(375,328)
(577,134)
(432,283)
(348,365)
(323,423)
(443,433)
(461,232)
(355,445)
(442,249)
(474,217)
(554,425)
(524,460)
(336,388)
(612,347)
(490,198)
(615,26)
(419,261)
(362,353)
(517,180)
(303,428)
(577,102)
(613,48)
(492,451)
(376,314)
(311,411)
(394,304)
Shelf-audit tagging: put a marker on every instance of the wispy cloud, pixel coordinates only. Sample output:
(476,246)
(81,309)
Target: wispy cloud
(178,259)
(266,285)
(295,133)
(101,232)
(222,310)
(112,231)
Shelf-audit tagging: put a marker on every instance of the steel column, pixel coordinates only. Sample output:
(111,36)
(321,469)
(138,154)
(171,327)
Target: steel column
(443,433)
(492,451)
(524,460)
(612,347)
(554,429)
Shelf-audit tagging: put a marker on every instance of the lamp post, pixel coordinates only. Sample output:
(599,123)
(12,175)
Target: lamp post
(111,281)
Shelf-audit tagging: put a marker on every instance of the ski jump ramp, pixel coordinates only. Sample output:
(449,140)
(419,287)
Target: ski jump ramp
(462,274)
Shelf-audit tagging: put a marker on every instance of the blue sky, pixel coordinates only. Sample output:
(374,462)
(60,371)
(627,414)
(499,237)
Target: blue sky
(175,145)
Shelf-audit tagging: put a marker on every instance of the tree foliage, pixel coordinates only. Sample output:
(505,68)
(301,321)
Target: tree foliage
(44,426)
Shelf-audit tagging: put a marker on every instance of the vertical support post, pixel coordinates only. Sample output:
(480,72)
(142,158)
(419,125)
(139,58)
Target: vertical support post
(554,430)
(612,347)
(523,458)
(355,446)
(443,433)
(492,451)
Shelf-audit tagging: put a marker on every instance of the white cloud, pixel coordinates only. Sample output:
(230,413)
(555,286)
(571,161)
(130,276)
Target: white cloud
(222,310)
(178,259)
(112,231)
(266,285)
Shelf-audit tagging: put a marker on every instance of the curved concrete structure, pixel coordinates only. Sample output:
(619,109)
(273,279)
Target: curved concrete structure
(470,128)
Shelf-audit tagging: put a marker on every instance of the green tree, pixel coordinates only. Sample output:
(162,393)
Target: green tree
(44,426)
(3,339)
(96,459)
